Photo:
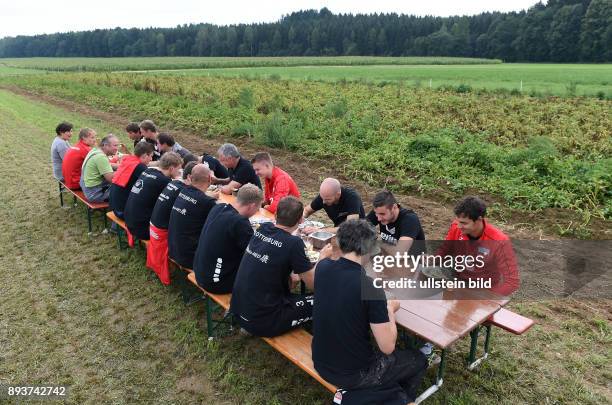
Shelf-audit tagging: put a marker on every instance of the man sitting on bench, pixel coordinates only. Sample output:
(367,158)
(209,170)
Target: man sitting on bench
(471,234)
(97,172)
(348,308)
(225,236)
(73,160)
(157,249)
(188,216)
(129,171)
(145,191)
(261,300)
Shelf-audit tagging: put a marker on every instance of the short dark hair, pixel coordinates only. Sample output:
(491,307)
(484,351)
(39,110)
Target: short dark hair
(188,168)
(384,198)
(356,235)
(262,157)
(165,138)
(63,127)
(107,139)
(132,127)
(188,158)
(148,125)
(143,148)
(471,207)
(84,132)
(289,211)
(170,159)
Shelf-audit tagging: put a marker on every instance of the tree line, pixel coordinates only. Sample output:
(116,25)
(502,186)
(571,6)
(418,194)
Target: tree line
(560,31)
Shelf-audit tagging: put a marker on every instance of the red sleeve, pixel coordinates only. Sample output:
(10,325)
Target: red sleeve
(446,248)
(281,189)
(509,281)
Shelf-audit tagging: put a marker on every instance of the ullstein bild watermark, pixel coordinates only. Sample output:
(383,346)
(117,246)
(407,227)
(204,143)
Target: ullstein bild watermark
(523,269)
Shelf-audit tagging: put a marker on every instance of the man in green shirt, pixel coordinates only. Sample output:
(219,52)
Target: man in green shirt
(97,172)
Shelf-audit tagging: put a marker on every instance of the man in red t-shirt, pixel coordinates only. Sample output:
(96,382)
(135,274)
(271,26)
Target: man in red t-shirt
(474,236)
(73,160)
(278,183)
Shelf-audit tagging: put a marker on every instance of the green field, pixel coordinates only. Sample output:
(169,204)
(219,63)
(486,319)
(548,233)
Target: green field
(547,79)
(76,311)
(188,62)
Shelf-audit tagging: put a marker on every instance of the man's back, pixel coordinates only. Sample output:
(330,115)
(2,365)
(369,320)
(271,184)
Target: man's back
(341,345)
(223,240)
(160,218)
(187,218)
(141,201)
(73,161)
(262,281)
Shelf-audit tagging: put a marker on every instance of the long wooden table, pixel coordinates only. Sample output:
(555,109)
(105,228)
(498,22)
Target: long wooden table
(262,214)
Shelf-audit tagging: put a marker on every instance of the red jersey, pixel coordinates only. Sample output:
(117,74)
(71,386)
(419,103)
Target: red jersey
(279,186)
(71,165)
(498,256)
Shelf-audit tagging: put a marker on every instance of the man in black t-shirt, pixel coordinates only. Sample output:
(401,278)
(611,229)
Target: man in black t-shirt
(127,173)
(340,204)
(348,308)
(188,217)
(133,132)
(160,218)
(145,192)
(261,300)
(240,169)
(218,170)
(225,236)
(399,226)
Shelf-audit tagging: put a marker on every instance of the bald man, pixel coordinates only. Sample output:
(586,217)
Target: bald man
(340,204)
(188,215)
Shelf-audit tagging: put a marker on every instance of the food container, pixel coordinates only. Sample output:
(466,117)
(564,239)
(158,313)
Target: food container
(321,238)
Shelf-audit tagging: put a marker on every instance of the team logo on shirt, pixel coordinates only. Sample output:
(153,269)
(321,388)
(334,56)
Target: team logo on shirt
(338,396)
(137,186)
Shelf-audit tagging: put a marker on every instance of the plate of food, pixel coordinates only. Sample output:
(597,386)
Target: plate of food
(312,255)
(311,224)
(256,222)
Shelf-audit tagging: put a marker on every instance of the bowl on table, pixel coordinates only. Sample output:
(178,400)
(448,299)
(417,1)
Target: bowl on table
(321,238)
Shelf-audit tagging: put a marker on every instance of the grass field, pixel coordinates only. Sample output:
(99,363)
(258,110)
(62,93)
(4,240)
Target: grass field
(529,154)
(76,311)
(188,62)
(547,79)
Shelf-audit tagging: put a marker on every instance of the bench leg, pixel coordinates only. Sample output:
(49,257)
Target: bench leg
(74,200)
(61,193)
(474,362)
(209,321)
(438,383)
(89,219)
(105,220)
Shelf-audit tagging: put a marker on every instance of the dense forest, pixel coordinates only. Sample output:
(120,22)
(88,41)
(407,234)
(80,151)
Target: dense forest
(560,31)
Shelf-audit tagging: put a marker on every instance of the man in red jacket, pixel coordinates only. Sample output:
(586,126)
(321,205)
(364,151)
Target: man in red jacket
(278,183)
(73,160)
(474,236)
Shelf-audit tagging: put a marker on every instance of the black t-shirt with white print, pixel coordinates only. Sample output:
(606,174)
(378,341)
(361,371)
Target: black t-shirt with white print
(187,218)
(156,152)
(349,204)
(142,199)
(161,213)
(341,345)
(223,239)
(244,173)
(262,282)
(406,224)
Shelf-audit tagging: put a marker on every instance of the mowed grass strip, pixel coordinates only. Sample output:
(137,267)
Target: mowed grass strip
(76,311)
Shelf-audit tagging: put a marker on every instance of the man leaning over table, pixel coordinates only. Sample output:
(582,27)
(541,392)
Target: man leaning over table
(240,170)
(97,171)
(348,308)
(225,236)
(262,301)
(339,202)
(278,183)
(472,235)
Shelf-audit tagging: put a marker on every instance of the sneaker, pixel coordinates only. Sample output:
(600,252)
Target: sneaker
(428,351)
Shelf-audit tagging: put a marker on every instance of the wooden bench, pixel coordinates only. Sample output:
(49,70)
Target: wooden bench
(296,345)
(510,321)
(90,206)
(504,319)
(123,229)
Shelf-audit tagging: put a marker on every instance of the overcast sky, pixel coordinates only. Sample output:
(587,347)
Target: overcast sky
(29,17)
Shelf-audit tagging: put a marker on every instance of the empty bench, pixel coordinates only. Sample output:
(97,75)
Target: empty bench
(504,319)
(90,206)
(296,345)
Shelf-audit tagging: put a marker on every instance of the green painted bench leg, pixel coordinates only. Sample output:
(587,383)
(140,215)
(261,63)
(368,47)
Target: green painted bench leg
(88,218)
(474,362)
(209,321)
(439,380)
(61,193)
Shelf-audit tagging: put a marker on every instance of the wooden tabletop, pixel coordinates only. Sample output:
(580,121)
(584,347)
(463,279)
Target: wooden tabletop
(262,214)
(444,321)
